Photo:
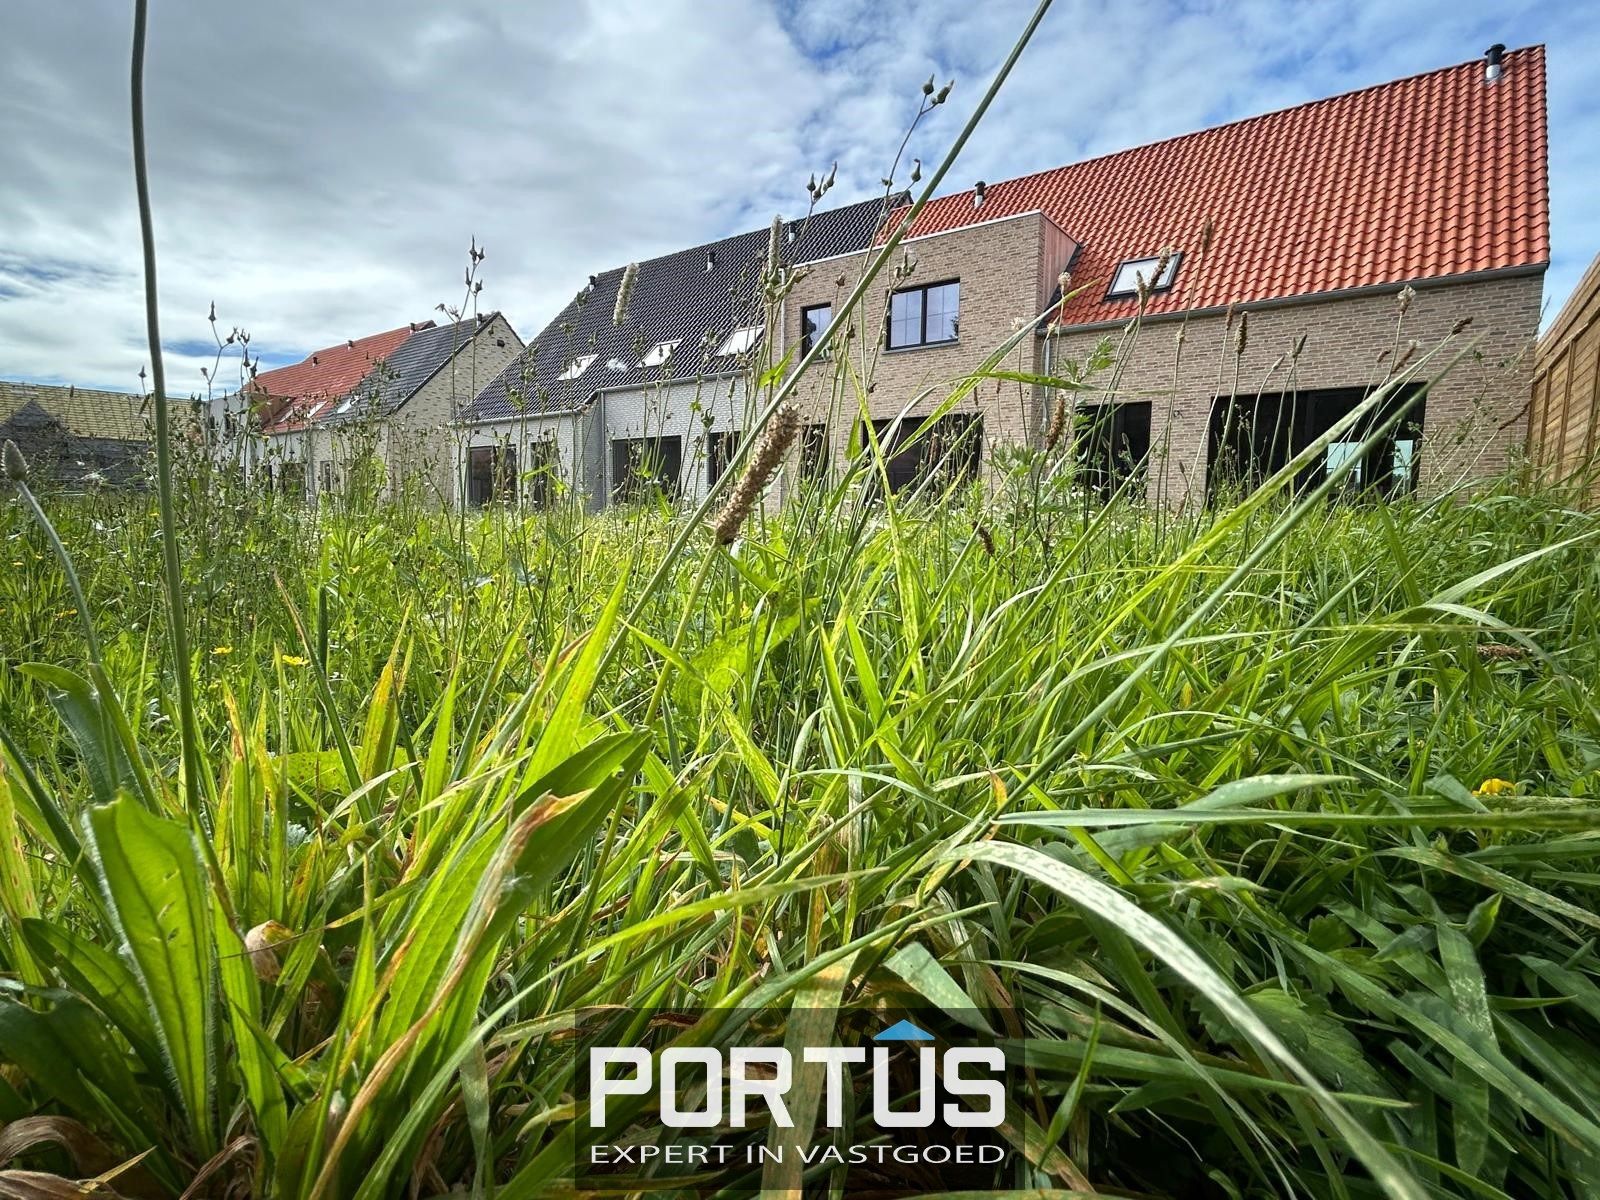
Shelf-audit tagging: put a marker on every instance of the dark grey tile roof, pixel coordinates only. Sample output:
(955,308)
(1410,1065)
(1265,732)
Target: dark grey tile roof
(673,297)
(410,365)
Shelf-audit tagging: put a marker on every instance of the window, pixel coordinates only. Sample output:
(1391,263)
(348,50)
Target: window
(543,465)
(641,467)
(1113,444)
(659,353)
(577,366)
(925,316)
(491,475)
(1252,437)
(740,341)
(947,452)
(1126,281)
(720,449)
(814,453)
(325,475)
(617,365)
(814,320)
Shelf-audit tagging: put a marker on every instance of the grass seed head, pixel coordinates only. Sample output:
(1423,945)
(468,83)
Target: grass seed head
(775,441)
(624,290)
(15,464)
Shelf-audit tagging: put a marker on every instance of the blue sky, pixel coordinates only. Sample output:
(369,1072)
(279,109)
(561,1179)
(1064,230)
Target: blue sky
(319,169)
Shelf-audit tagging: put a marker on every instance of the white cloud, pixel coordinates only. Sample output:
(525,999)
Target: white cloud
(319,168)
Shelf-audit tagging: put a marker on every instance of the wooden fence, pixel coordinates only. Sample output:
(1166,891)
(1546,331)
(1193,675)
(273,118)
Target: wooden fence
(1562,420)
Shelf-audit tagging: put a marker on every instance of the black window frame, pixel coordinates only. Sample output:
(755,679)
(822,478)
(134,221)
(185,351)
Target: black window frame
(496,485)
(1251,436)
(626,485)
(805,324)
(1115,293)
(814,453)
(721,446)
(922,290)
(544,464)
(1111,443)
(944,456)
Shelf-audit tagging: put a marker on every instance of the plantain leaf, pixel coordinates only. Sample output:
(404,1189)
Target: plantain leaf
(150,871)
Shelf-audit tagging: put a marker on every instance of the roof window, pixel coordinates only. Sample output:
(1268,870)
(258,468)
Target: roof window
(740,341)
(659,353)
(1126,281)
(577,366)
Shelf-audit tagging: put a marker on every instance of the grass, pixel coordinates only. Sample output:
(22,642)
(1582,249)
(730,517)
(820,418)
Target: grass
(860,753)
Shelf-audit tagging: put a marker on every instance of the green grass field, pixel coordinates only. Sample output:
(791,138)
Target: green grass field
(1270,828)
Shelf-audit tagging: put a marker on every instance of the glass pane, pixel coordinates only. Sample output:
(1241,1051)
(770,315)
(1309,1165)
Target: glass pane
(814,320)
(944,312)
(1127,279)
(905,319)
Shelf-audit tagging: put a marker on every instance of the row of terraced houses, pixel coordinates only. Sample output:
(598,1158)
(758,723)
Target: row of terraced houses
(1280,268)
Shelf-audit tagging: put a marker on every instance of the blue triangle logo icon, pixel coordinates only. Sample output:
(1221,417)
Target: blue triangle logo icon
(902,1031)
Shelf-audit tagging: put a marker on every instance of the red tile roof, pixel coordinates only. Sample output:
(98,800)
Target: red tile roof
(296,393)
(1439,174)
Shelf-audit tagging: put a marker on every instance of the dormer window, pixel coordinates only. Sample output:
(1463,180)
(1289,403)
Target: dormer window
(659,353)
(577,367)
(740,341)
(1126,281)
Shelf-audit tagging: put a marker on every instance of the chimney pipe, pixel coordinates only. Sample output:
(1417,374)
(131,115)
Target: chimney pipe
(1492,60)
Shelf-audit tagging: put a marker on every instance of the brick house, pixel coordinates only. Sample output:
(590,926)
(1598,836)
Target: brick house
(600,410)
(388,402)
(1285,243)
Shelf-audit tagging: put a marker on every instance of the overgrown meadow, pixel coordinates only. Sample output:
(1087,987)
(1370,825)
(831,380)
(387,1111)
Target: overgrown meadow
(1270,829)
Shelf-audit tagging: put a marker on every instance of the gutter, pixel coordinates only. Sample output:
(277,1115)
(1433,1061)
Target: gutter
(1304,298)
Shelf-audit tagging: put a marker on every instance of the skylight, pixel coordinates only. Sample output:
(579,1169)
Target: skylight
(740,341)
(659,353)
(345,407)
(577,366)
(616,364)
(1126,281)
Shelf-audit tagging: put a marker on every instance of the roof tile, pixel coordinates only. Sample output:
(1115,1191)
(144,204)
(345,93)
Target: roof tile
(1438,174)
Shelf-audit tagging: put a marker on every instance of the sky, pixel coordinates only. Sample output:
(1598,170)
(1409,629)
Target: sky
(320,169)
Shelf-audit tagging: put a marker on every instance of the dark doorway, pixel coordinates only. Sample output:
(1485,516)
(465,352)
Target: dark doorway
(1253,437)
(642,467)
(947,452)
(1113,446)
(720,449)
(491,475)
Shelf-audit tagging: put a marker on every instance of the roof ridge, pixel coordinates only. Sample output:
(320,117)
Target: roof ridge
(1262,116)
(888,202)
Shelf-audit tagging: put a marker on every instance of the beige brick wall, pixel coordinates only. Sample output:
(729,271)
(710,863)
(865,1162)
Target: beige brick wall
(1006,269)
(422,437)
(1475,418)
(1476,413)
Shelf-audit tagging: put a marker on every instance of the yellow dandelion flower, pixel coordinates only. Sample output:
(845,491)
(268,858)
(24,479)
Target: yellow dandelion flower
(1495,787)
(63,612)
(291,660)
(221,651)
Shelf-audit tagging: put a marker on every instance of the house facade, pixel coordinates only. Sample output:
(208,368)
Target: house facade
(616,401)
(1222,297)
(77,438)
(378,413)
